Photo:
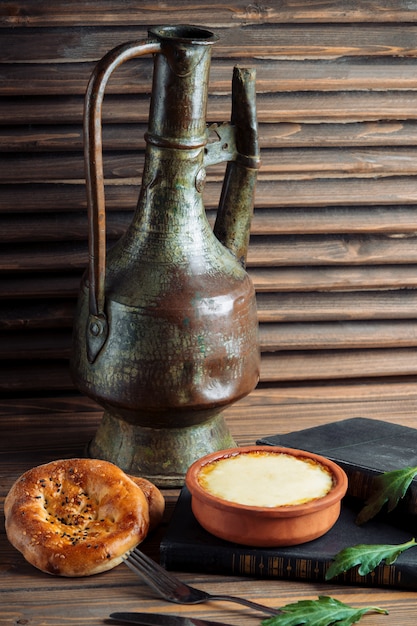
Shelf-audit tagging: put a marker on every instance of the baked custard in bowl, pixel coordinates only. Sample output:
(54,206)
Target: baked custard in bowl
(265,495)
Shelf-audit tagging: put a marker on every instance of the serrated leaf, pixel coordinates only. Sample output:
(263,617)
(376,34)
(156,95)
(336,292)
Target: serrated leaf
(388,489)
(368,557)
(322,612)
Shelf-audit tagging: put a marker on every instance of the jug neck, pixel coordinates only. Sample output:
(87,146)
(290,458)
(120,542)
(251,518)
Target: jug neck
(177,117)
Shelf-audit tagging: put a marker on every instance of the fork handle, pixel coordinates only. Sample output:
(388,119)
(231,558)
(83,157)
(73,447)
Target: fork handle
(249,603)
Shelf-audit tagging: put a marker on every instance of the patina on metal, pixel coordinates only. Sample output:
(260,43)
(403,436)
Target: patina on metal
(166,332)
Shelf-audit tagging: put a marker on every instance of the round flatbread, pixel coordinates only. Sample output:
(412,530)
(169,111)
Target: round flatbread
(75,517)
(156,501)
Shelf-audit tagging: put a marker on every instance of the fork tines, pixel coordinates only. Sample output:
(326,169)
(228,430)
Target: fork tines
(155,575)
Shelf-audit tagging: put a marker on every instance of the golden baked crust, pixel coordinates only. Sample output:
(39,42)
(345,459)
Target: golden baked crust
(156,501)
(75,517)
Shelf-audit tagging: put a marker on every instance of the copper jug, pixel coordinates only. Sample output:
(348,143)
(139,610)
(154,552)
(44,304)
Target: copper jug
(166,331)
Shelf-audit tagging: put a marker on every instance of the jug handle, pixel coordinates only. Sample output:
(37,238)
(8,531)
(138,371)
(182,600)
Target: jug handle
(97,327)
(234,215)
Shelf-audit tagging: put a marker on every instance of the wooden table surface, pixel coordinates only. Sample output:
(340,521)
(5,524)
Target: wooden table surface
(38,431)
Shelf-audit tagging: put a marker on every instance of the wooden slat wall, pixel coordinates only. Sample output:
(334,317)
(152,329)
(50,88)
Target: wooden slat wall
(333,251)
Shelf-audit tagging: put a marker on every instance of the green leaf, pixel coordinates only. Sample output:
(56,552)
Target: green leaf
(368,557)
(322,612)
(389,488)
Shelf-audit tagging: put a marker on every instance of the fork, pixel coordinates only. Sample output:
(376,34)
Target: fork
(174,590)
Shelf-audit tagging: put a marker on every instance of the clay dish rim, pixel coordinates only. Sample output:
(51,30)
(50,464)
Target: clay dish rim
(336,493)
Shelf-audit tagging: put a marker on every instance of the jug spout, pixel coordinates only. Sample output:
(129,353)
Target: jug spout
(234,215)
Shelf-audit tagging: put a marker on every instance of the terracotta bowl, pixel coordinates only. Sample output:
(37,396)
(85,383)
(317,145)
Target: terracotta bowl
(263,526)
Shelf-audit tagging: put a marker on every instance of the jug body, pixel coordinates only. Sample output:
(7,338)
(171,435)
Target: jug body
(173,337)
(181,309)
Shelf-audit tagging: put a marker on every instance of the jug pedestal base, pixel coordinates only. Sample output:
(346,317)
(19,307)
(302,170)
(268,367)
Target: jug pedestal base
(162,455)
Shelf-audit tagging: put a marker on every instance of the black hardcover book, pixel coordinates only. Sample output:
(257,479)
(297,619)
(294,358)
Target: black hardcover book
(364,448)
(188,547)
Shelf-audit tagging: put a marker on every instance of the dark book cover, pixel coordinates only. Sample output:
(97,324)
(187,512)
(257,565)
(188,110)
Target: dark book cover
(186,546)
(363,447)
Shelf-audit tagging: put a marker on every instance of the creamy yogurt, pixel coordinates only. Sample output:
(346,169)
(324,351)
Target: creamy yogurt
(266,479)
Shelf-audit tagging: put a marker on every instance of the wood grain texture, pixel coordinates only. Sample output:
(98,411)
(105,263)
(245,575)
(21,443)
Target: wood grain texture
(333,241)
(28,12)
(36,430)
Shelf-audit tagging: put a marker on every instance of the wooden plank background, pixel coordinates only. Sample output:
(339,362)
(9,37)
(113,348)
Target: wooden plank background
(333,251)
